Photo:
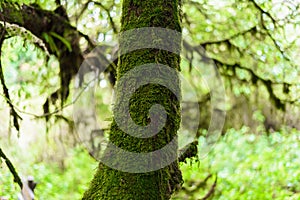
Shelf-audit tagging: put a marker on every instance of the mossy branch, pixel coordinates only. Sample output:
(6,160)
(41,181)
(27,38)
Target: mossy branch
(189,151)
(40,22)
(232,67)
(13,112)
(12,169)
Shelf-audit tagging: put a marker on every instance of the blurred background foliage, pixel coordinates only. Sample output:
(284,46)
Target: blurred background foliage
(254,45)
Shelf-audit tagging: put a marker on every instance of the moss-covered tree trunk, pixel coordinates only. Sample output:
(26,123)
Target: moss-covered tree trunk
(111,182)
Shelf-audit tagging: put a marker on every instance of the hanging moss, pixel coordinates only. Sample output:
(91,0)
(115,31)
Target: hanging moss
(110,183)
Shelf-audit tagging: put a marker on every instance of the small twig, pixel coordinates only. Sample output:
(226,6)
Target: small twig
(236,35)
(263,11)
(201,184)
(85,6)
(12,169)
(112,23)
(211,190)
(53,112)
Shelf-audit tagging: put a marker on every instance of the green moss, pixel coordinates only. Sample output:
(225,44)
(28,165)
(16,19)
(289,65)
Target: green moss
(154,13)
(124,186)
(113,184)
(12,12)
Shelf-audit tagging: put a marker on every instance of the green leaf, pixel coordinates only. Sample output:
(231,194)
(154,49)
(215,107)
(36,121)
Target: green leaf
(63,40)
(51,42)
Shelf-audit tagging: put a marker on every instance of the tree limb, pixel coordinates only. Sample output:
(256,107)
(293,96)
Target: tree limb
(13,112)
(46,24)
(12,169)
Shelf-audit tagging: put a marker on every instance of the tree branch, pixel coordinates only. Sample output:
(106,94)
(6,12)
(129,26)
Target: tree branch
(279,103)
(13,112)
(12,169)
(261,10)
(252,29)
(274,22)
(211,190)
(61,39)
(112,23)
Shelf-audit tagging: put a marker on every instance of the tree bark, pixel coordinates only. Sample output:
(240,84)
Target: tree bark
(109,182)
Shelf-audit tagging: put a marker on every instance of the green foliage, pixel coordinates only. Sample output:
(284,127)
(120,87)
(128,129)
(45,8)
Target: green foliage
(53,182)
(28,74)
(248,166)
(63,40)
(51,42)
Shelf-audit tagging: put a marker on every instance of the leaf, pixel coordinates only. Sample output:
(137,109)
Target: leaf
(51,42)
(63,40)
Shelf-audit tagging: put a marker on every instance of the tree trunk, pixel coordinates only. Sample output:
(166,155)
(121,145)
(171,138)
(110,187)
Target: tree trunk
(127,176)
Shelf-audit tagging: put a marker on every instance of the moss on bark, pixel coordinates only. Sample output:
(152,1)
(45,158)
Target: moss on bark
(113,184)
